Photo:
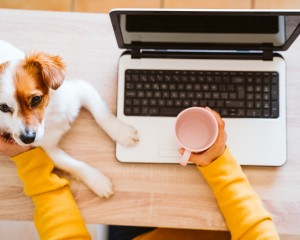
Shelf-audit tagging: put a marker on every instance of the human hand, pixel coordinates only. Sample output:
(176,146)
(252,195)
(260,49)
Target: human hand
(9,147)
(216,150)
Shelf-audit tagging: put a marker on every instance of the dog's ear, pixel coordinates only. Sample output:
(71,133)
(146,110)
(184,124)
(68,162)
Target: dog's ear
(52,68)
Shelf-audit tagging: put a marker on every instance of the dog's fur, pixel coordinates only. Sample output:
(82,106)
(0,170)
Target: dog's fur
(37,107)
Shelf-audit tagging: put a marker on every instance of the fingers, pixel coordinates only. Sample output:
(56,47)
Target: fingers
(2,144)
(221,123)
(11,149)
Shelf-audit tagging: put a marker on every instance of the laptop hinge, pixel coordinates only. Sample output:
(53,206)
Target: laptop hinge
(135,53)
(268,55)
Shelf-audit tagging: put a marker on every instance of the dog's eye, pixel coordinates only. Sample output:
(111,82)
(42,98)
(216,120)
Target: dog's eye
(5,108)
(35,101)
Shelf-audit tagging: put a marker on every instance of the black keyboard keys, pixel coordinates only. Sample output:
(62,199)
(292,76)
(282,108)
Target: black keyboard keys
(232,94)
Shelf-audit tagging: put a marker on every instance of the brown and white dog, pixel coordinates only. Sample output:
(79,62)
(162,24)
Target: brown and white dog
(37,107)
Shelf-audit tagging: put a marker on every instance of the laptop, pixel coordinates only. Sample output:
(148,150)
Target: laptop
(225,59)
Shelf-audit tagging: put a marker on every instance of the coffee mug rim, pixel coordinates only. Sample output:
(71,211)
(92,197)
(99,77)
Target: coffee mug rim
(215,123)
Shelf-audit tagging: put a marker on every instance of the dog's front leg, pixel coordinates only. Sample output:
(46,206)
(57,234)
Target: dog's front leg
(92,177)
(115,128)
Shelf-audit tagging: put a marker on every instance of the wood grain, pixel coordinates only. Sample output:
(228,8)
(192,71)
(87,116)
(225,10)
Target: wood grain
(277,4)
(231,4)
(104,6)
(50,5)
(164,195)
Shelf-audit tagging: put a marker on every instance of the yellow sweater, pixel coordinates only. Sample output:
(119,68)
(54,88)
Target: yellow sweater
(242,209)
(56,214)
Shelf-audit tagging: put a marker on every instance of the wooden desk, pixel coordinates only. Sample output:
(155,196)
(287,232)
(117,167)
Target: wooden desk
(145,194)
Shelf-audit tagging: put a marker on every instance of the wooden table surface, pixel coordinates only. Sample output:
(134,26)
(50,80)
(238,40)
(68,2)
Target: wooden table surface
(165,195)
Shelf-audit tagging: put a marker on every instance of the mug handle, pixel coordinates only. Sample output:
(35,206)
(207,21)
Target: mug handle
(185,157)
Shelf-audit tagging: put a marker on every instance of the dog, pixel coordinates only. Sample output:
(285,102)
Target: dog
(37,106)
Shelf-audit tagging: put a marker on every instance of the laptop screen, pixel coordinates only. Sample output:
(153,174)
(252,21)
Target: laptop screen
(205,29)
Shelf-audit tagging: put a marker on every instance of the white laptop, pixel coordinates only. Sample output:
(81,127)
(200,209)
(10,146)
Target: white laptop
(224,59)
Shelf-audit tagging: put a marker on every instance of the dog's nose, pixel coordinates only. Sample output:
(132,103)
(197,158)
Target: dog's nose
(27,136)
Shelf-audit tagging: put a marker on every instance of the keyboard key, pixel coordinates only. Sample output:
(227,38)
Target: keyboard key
(153,111)
(240,112)
(194,103)
(254,113)
(161,102)
(136,110)
(224,112)
(266,113)
(240,92)
(224,95)
(127,110)
(274,92)
(129,85)
(220,103)
(275,109)
(130,93)
(234,104)
(238,80)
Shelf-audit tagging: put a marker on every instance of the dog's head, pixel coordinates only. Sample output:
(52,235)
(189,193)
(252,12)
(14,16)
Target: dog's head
(25,89)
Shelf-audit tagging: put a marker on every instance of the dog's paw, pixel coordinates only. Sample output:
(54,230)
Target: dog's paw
(127,136)
(123,133)
(98,183)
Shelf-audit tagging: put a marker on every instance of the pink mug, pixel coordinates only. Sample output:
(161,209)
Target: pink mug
(196,130)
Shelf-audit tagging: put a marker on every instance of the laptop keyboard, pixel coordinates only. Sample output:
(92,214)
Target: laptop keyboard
(232,94)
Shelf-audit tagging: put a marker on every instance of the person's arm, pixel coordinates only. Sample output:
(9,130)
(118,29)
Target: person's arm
(56,214)
(244,214)
(242,209)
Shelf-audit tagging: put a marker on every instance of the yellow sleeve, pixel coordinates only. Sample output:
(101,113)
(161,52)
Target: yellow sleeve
(244,214)
(241,206)
(56,213)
